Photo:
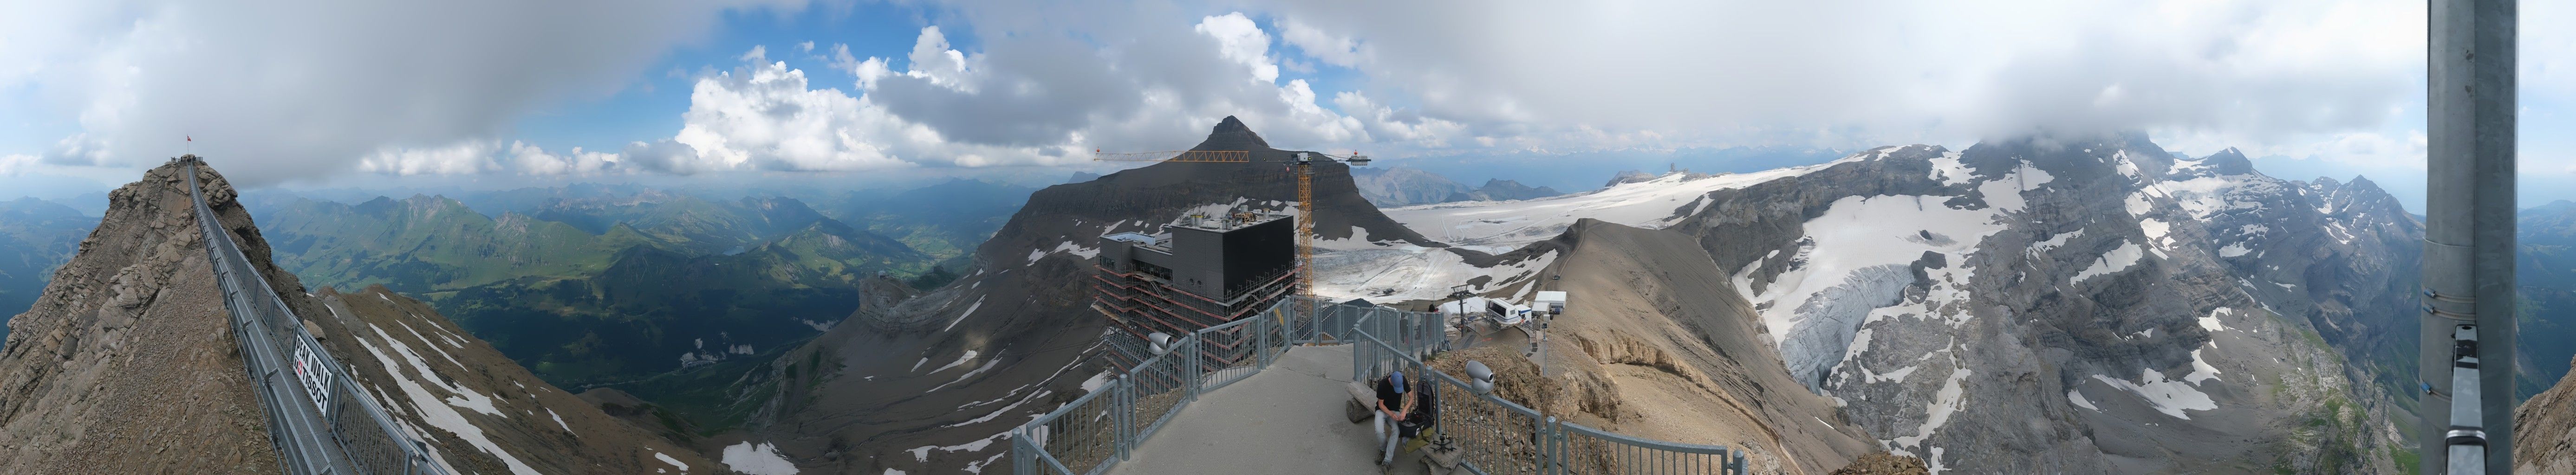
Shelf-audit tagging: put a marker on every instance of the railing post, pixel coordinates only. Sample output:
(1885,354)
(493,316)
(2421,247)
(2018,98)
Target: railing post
(1122,401)
(1551,447)
(1261,340)
(1189,349)
(1020,451)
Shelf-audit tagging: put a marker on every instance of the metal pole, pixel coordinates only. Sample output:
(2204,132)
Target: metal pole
(2469,233)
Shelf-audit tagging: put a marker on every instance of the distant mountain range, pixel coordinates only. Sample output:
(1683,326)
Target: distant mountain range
(1576,171)
(35,237)
(636,288)
(1403,186)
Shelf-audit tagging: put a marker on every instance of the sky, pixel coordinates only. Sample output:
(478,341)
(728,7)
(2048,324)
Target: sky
(299,93)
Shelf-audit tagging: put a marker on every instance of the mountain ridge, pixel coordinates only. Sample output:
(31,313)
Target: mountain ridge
(127,363)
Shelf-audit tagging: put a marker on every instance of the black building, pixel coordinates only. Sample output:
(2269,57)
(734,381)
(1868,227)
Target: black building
(1200,272)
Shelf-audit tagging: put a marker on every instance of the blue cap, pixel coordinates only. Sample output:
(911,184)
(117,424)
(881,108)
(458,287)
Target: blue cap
(1396,378)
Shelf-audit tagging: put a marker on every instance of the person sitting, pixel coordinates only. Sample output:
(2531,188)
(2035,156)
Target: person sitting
(1394,404)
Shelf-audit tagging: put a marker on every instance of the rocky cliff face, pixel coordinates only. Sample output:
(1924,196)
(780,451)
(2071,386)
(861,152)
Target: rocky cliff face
(2544,434)
(1660,346)
(2082,304)
(127,364)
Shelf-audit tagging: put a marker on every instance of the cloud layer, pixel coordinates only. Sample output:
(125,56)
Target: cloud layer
(297,89)
(319,88)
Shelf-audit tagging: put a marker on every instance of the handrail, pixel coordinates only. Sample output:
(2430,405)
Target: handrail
(304,418)
(1548,446)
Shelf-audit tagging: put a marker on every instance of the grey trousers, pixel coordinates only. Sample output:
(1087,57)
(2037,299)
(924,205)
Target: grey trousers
(1388,434)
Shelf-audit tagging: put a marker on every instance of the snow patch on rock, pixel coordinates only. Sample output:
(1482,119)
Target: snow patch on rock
(2233,250)
(760,459)
(2119,259)
(435,411)
(961,316)
(1948,169)
(2004,194)
(2166,396)
(2054,241)
(2211,322)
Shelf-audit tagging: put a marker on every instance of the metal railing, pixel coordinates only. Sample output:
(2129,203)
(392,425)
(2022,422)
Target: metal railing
(319,419)
(1093,433)
(1098,430)
(1587,451)
(1399,332)
(1502,437)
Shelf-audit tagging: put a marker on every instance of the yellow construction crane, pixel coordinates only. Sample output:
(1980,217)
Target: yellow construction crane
(1305,162)
(1210,156)
(1305,167)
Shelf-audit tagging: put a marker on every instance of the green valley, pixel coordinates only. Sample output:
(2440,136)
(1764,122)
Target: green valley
(598,287)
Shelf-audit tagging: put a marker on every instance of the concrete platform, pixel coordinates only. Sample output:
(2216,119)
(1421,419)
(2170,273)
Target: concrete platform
(1287,419)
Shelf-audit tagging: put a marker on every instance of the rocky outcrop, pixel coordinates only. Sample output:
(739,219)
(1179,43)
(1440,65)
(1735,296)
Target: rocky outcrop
(1628,176)
(1883,463)
(127,364)
(2544,431)
(1657,345)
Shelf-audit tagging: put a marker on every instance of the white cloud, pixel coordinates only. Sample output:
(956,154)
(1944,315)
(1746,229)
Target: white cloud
(485,156)
(1333,50)
(763,116)
(307,86)
(301,89)
(13,165)
(1239,40)
(471,156)
(1393,125)
(1023,100)
(934,62)
(1703,71)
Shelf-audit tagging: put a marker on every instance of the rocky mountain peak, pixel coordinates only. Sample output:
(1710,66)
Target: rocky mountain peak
(129,353)
(129,348)
(1628,176)
(2228,162)
(1231,134)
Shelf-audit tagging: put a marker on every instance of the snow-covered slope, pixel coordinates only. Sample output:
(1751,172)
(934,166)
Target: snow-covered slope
(1382,270)
(481,412)
(1650,204)
(2091,304)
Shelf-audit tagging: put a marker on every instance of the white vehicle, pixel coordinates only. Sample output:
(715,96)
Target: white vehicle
(1504,314)
(1552,300)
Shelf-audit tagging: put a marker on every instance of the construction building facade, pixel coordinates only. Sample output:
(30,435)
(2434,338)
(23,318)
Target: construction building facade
(1200,272)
